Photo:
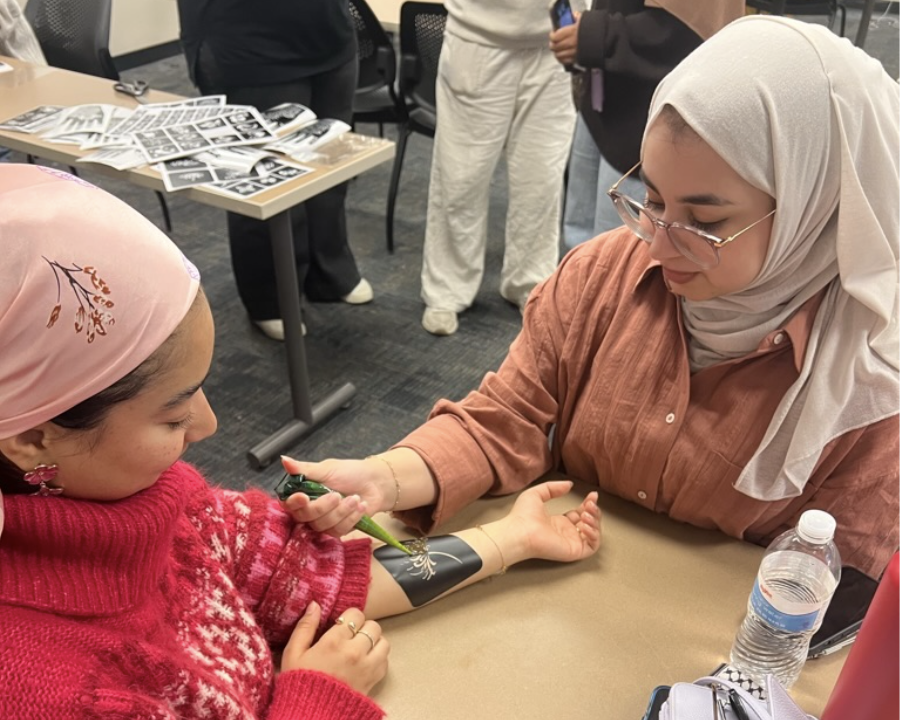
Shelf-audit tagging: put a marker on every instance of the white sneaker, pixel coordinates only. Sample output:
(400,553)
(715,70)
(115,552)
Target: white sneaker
(440,322)
(362,293)
(275,330)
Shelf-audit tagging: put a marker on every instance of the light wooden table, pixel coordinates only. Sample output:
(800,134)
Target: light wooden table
(659,604)
(29,86)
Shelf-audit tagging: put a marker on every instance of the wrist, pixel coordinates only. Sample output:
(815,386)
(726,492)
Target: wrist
(513,542)
(391,490)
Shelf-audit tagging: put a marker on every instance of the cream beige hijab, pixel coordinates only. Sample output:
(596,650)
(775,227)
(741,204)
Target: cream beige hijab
(807,117)
(704,17)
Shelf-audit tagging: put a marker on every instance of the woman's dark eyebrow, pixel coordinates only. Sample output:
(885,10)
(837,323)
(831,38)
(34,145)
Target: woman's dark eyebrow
(704,199)
(183,395)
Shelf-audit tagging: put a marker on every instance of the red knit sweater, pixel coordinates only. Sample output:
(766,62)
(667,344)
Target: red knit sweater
(165,605)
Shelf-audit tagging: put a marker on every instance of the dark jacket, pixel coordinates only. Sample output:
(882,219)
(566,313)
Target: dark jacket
(635,47)
(266,42)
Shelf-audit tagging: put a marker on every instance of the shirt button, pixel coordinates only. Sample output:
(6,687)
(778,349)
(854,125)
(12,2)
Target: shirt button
(642,495)
(670,418)
(778,339)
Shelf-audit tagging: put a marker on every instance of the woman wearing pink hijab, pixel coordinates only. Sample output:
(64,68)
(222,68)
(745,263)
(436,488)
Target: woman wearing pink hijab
(128,586)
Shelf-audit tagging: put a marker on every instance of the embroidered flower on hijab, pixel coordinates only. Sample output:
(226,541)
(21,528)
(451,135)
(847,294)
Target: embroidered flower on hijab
(93,312)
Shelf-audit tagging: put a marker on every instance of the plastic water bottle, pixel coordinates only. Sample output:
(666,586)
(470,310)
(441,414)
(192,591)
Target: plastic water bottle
(793,588)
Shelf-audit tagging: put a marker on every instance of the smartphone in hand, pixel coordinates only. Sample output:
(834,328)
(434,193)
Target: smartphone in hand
(560,13)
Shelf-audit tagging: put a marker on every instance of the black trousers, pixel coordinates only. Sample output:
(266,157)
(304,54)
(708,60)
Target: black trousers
(324,261)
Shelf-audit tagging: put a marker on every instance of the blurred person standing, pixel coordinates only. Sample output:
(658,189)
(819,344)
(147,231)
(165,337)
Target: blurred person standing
(17,39)
(623,48)
(498,91)
(264,54)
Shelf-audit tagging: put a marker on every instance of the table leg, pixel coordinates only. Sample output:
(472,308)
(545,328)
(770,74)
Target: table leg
(305,417)
(864,22)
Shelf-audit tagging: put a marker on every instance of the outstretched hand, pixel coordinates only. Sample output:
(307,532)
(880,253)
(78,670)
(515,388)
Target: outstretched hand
(571,536)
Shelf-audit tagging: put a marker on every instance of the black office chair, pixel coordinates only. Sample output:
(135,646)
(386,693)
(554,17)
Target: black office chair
(420,39)
(376,100)
(829,8)
(75,35)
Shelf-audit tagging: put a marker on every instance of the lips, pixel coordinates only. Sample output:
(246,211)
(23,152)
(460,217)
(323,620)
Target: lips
(675,277)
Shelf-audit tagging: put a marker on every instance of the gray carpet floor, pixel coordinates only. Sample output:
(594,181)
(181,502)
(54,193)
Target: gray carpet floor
(399,369)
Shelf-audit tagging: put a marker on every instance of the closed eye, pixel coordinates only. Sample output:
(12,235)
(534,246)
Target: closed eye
(708,227)
(653,206)
(181,424)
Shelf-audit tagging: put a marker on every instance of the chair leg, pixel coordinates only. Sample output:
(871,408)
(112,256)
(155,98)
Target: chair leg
(404,132)
(843,10)
(381,129)
(164,208)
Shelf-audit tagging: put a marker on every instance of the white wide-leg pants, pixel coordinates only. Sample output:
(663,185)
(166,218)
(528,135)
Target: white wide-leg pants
(491,100)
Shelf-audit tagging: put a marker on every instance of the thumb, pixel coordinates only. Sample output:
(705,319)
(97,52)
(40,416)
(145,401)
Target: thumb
(554,489)
(297,467)
(305,630)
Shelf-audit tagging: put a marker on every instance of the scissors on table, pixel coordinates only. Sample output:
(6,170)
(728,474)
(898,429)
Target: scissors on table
(136,89)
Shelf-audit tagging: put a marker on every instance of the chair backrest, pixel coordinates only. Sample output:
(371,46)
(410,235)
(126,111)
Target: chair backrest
(376,55)
(74,34)
(420,39)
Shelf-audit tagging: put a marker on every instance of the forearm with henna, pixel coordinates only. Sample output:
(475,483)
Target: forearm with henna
(439,566)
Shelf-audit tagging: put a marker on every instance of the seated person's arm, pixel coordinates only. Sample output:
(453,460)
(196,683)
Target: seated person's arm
(444,564)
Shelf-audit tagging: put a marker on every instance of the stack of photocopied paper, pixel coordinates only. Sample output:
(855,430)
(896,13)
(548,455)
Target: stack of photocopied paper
(235,149)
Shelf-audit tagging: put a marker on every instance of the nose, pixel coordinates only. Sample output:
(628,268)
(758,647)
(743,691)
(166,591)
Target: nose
(205,423)
(661,246)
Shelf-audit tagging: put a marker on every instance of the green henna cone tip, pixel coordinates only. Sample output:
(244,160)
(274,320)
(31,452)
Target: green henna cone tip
(292,484)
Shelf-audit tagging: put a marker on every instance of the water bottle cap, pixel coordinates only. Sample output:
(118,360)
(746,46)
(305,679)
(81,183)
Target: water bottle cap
(816,526)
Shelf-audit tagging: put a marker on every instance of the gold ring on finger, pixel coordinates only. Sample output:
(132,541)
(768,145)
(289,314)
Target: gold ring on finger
(352,627)
(373,643)
(340,620)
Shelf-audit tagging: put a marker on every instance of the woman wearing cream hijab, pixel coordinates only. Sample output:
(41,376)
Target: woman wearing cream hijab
(730,358)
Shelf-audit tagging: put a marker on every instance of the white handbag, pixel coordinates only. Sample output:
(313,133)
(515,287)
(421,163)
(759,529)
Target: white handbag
(707,699)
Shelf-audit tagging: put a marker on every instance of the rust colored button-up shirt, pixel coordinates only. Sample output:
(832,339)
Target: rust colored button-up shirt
(602,364)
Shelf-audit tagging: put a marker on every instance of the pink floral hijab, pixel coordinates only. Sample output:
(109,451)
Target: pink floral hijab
(90,288)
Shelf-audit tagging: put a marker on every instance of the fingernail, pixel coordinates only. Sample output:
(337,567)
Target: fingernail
(312,606)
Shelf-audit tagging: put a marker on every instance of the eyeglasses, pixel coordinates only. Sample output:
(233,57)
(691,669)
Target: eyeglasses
(696,245)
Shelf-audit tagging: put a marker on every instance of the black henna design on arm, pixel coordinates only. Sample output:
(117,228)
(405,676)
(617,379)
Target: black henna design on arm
(437,565)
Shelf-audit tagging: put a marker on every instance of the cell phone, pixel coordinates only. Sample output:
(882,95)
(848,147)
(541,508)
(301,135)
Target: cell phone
(659,696)
(833,643)
(845,614)
(560,13)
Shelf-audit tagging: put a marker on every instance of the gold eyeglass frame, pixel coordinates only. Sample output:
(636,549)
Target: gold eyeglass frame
(715,242)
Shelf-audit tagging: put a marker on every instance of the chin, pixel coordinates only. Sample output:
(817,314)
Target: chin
(695,296)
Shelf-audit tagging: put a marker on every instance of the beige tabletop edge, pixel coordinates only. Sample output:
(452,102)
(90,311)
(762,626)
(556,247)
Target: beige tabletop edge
(29,86)
(658,604)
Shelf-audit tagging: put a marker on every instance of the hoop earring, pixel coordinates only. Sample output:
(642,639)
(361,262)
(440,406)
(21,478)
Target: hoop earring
(40,476)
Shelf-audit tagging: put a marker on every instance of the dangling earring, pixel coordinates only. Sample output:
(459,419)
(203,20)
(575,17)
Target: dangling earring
(40,476)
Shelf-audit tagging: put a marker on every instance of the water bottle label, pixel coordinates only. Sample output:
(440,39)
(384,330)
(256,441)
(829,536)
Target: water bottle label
(795,622)
(792,591)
